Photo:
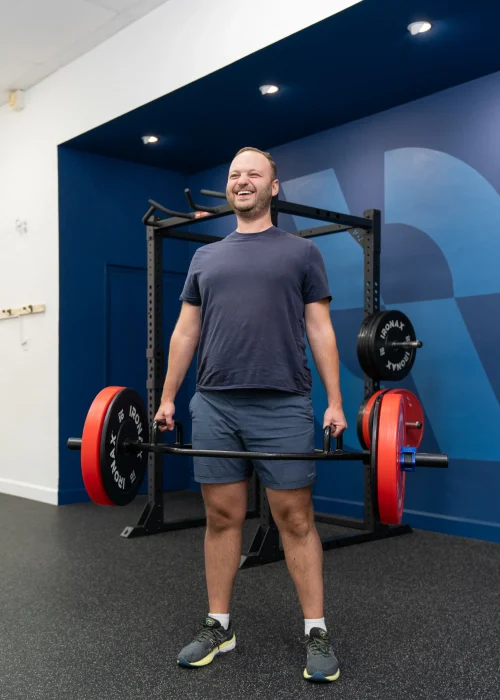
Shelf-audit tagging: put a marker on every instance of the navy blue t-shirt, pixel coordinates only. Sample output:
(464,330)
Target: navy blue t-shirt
(252,288)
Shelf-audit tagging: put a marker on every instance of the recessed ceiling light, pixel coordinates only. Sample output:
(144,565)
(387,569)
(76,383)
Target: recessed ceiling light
(419,27)
(150,139)
(268,89)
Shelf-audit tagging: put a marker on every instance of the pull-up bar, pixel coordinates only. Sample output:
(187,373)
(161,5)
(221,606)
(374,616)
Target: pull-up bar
(336,222)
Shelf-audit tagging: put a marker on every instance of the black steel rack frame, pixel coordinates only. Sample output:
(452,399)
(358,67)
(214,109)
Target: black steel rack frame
(266,546)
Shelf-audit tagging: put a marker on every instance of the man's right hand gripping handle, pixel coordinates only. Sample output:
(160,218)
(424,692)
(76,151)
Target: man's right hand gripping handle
(183,344)
(165,416)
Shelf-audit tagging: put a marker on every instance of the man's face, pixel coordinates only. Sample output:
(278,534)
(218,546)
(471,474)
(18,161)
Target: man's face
(250,186)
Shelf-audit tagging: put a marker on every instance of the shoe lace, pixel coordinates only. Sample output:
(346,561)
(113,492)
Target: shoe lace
(208,633)
(316,645)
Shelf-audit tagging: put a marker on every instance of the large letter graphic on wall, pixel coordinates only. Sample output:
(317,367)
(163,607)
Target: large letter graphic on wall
(460,210)
(344,265)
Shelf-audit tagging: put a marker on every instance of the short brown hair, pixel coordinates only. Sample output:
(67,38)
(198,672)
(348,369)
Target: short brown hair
(274,172)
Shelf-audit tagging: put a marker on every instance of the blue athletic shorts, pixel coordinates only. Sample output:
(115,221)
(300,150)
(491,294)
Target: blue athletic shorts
(257,421)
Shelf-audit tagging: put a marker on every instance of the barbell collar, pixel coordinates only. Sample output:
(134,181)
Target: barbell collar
(74,443)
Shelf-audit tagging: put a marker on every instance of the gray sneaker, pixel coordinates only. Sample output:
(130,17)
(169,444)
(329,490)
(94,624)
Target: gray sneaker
(212,640)
(322,664)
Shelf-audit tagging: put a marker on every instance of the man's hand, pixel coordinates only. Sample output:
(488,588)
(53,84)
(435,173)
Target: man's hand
(166,413)
(334,417)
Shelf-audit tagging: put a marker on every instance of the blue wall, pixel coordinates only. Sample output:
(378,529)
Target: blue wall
(103,333)
(432,167)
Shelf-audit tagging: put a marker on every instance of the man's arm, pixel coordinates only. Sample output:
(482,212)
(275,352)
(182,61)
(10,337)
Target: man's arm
(323,343)
(183,344)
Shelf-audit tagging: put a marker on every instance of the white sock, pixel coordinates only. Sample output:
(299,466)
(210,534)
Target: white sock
(223,619)
(309,624)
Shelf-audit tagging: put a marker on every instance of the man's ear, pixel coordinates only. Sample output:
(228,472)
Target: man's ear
(275,187)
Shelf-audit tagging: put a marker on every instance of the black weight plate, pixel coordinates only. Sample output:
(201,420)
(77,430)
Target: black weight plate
(360,350)
(123,471)
(378,359)
(368,345)
(362,347)
(392,364)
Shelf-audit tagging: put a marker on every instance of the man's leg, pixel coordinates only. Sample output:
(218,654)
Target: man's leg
(284,422)
(224,488)
(226,506)
(294,515)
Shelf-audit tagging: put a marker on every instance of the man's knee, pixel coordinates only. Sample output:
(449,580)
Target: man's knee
(223,518)
(292,511)
(225,506)
(297,523)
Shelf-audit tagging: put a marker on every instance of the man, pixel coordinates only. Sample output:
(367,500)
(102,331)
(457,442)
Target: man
(247,302)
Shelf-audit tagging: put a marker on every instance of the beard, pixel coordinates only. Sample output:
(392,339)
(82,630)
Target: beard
(251,210)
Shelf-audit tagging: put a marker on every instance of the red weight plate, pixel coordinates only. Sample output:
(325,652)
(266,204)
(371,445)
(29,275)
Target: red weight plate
(414,414)
(390,479)
(91,445)
(367,433)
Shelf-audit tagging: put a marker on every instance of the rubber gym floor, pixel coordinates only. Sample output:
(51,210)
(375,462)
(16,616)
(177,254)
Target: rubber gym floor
(88,615)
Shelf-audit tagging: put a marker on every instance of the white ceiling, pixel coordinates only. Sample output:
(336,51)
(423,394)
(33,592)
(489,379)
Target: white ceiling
(39,36)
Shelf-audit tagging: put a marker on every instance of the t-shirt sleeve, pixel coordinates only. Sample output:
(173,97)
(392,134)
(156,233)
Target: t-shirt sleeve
(191,291)
(315,284)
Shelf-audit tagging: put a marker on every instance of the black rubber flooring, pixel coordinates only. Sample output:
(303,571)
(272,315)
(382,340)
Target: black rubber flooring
(88,615)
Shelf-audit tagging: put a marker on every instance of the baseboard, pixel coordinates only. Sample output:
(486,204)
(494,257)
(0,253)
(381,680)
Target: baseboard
(433,522)
(22,489)
(448,525)
(69,496)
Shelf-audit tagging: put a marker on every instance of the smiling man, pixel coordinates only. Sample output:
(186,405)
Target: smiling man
(248,302)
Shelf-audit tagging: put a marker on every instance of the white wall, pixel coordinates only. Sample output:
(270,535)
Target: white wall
(181,41)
